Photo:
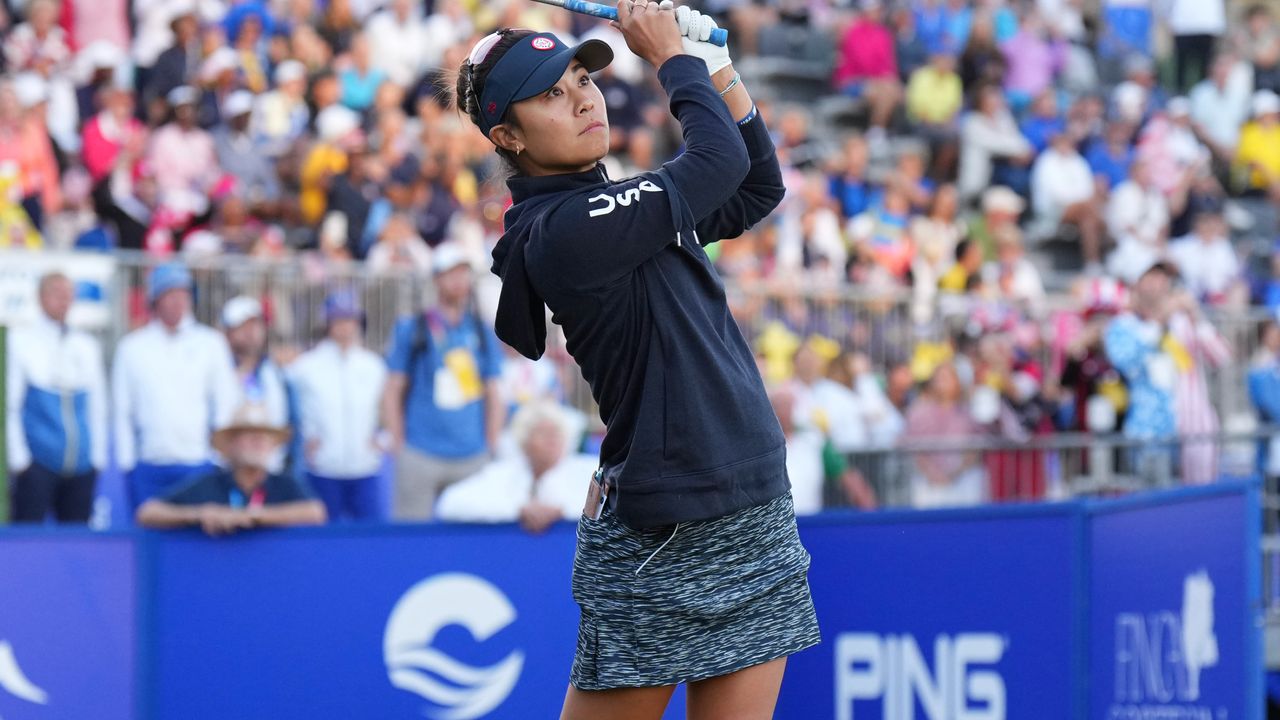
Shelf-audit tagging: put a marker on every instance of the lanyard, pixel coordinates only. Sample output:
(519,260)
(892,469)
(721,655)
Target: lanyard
(256,499)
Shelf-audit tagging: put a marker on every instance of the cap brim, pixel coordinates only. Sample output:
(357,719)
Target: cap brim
(594,54)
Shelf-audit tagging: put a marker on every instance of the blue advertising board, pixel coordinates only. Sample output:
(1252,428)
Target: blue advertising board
(939,615)
(444,622)
(1173,617)
(1118,609)
(67,626)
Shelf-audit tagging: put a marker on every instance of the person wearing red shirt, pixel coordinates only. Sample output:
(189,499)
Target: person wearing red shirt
(109,131)
(868,66)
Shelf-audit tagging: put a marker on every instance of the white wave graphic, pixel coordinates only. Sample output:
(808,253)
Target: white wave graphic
(15,682)
(457,690)
(461,690)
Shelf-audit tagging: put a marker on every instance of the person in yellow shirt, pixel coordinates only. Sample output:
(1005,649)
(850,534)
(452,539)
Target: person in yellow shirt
(935,97)
(1258,154)
(935,94)
(968,263)
(339,131)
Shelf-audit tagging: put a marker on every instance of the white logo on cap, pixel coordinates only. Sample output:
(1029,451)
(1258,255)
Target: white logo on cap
(543,43)
(463,692)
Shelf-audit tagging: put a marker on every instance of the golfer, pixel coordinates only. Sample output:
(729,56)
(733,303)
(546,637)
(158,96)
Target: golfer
(688,566)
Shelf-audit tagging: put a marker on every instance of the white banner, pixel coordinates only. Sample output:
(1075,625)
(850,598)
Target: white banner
(92,273)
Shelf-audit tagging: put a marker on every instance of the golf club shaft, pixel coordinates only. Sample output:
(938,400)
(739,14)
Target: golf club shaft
(719,36)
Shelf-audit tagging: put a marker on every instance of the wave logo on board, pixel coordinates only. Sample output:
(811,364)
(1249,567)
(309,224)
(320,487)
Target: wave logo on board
(458,690)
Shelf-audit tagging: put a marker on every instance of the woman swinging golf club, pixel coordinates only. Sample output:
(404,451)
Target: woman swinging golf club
(688,566)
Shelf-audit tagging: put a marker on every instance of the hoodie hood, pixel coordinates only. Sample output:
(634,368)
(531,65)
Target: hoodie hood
(521,320)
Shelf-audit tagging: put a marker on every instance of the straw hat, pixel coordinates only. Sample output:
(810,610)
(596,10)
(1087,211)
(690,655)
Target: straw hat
(250,417)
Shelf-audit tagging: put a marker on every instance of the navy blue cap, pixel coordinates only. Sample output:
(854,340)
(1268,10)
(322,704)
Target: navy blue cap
(532,66)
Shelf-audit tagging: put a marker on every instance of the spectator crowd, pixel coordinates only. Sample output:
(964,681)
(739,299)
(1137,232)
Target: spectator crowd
(1004,219)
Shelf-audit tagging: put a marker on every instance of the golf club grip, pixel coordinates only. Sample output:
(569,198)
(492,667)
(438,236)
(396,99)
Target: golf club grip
(719,36)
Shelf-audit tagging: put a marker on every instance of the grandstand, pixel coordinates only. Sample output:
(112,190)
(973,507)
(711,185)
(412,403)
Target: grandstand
(1022,292)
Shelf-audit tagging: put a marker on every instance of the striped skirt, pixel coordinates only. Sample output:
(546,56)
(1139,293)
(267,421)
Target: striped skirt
(692,601)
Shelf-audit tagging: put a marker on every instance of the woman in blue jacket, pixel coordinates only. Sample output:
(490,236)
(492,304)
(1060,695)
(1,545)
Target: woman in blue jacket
(688,566)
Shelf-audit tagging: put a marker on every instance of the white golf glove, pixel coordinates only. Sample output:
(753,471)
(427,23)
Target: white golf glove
(695,29)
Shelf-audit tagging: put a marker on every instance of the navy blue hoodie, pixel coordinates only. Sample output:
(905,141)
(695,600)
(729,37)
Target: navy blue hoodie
(691,434)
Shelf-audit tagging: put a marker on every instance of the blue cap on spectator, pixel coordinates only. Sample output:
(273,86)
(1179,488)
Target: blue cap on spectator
(342,305)
(528,68)
(405,172)
(170,276)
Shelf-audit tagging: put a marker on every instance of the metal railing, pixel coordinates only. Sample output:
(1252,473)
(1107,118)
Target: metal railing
(882,323)
(1049,467)
(292,292)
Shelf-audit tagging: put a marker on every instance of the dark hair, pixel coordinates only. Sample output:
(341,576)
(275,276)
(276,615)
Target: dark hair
(962,249)
(1263,328)
(470,85)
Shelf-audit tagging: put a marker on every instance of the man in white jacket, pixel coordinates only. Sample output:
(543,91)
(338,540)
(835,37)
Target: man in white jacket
(542,484)
(173,384)
(57,412)
(338,386)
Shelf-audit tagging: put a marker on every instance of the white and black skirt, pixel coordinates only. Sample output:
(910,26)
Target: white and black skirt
(692,601)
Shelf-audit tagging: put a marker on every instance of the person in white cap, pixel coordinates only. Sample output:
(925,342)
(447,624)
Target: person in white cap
(52,100)
(1258,154)
(243,495)
(240,155)
(182,155)
(96,67)
(172,383)
(220,77)
(25,146)
(57,412)
(338,129)
(442,404)
(259,379)
(280,116)
(1001,208)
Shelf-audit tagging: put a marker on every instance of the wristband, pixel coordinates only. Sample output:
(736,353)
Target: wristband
(732,83)
(750,116)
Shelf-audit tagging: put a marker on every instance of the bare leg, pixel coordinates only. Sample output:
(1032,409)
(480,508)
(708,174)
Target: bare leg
(749,694)
(883,96)
(1085,216)
(620,704)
